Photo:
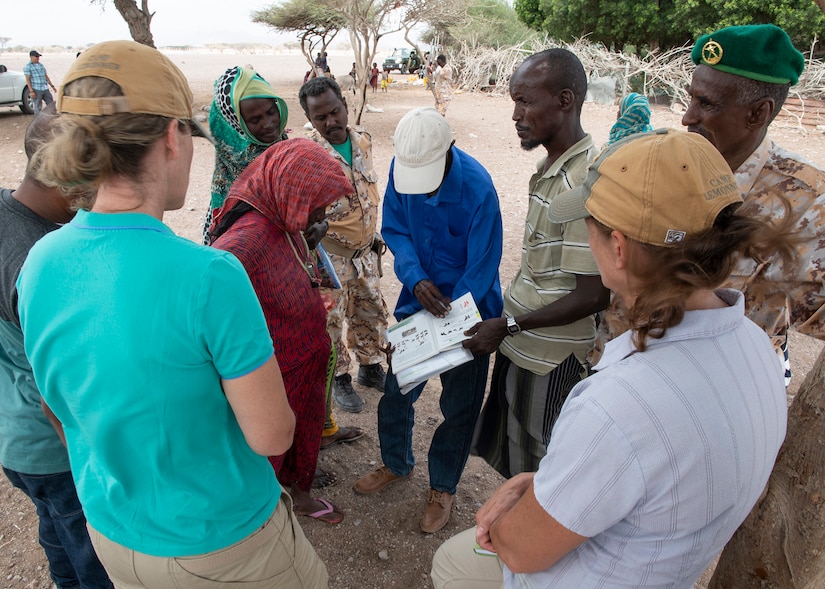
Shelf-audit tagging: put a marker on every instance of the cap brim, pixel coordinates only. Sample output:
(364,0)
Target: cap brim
(569,206)
(199,130)
(420,179)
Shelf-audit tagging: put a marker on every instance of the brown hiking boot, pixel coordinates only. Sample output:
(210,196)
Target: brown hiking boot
(377,480)
(437,513)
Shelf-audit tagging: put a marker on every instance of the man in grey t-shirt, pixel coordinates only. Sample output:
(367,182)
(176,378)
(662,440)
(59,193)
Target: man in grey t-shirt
(32,455)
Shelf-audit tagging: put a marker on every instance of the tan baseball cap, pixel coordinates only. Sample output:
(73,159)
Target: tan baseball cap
(658,188)
(151,83)
(422,140)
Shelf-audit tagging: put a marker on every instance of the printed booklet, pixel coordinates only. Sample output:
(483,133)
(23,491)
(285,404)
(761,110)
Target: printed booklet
(426,345)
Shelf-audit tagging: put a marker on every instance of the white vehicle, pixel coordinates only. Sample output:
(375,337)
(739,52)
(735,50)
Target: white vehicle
(13,90)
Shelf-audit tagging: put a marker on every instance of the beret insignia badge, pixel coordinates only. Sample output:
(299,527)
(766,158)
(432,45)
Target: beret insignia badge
(712,52)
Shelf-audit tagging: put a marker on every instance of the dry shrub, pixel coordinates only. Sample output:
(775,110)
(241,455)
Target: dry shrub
(661,74)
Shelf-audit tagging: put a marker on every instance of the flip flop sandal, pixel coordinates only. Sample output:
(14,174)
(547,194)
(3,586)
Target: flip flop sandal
(344,435)
(329,510)
(324,478)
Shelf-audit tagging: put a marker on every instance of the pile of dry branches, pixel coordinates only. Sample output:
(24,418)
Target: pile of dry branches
(657,75)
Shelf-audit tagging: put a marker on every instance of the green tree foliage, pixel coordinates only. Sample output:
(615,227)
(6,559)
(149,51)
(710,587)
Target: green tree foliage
(529,13)
(666,23)
(314,23)
(366,21)
(613,24)
(802,19)
(486,23)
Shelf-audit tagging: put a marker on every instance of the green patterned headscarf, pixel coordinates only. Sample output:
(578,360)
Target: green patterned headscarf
(235,146)
(634,117)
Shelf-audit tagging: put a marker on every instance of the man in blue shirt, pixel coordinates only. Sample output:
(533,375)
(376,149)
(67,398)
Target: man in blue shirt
(38,81)
(443,224)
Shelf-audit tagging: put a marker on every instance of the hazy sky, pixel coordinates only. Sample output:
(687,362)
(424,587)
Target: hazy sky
(176,22)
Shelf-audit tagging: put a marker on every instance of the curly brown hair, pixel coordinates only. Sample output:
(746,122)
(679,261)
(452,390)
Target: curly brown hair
(664,277)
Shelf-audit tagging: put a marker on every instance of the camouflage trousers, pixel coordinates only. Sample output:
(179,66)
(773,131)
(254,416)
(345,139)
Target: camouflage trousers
(361,304)
(443,97)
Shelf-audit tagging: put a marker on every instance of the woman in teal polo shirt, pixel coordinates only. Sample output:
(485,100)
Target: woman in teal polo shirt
(152,352)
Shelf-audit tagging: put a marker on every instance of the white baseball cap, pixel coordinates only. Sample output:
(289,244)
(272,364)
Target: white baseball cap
(422,140)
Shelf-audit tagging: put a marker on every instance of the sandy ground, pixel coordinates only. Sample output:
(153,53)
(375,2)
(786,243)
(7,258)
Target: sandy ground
(379,544)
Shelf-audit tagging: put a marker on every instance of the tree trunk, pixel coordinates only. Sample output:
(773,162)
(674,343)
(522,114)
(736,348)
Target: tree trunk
(365,48)
(781,544)
(138,19)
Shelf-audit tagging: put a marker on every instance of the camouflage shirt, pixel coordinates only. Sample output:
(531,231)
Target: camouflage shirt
(353,219)
(779,295)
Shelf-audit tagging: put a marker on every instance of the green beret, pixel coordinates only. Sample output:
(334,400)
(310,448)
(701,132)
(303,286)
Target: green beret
(759,52)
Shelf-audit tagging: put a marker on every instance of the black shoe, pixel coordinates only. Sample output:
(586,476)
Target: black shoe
(373,376)
(345,396)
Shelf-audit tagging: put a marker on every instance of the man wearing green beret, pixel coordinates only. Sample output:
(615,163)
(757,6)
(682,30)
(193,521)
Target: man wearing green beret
(741,81)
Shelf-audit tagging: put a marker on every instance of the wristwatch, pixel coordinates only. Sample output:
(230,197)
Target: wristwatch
(512,326)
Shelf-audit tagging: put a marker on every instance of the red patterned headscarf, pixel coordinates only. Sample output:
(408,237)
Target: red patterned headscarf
(287,182)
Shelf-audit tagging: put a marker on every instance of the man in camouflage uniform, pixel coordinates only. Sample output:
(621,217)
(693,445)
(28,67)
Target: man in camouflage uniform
(350,243)
(443,82)
(742,78)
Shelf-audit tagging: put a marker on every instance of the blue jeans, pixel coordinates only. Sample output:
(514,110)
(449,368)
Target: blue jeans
(461,398)
(62,533)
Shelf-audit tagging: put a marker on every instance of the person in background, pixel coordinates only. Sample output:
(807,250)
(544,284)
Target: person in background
(633,117)
(443,224)
(374,73)
(31,452)
(658,457)
(38,81)
(281,194)
(246,117)
(353,74)
(414,63)
(548,324)
(171,471)
(319,64)
(443,82)
(352,247)
(385,79)
(742,78)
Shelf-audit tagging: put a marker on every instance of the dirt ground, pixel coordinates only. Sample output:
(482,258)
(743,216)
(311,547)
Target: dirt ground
(379,544)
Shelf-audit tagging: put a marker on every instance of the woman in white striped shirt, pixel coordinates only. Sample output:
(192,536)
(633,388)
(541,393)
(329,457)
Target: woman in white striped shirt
(659,456)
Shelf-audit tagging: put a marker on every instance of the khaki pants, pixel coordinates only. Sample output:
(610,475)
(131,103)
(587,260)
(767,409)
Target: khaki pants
(457,566)
(276,555)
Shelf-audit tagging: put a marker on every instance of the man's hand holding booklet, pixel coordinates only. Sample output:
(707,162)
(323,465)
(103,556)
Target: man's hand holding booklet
(425,345)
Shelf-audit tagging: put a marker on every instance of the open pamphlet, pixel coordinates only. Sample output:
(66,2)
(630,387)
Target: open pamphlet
(426,345)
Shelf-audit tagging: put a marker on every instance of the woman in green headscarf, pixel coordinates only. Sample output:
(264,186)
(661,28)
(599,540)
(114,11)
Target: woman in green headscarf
(633,117)
(246,117)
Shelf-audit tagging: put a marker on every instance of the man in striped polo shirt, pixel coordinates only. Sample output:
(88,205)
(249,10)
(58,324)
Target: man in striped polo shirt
(549,308)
